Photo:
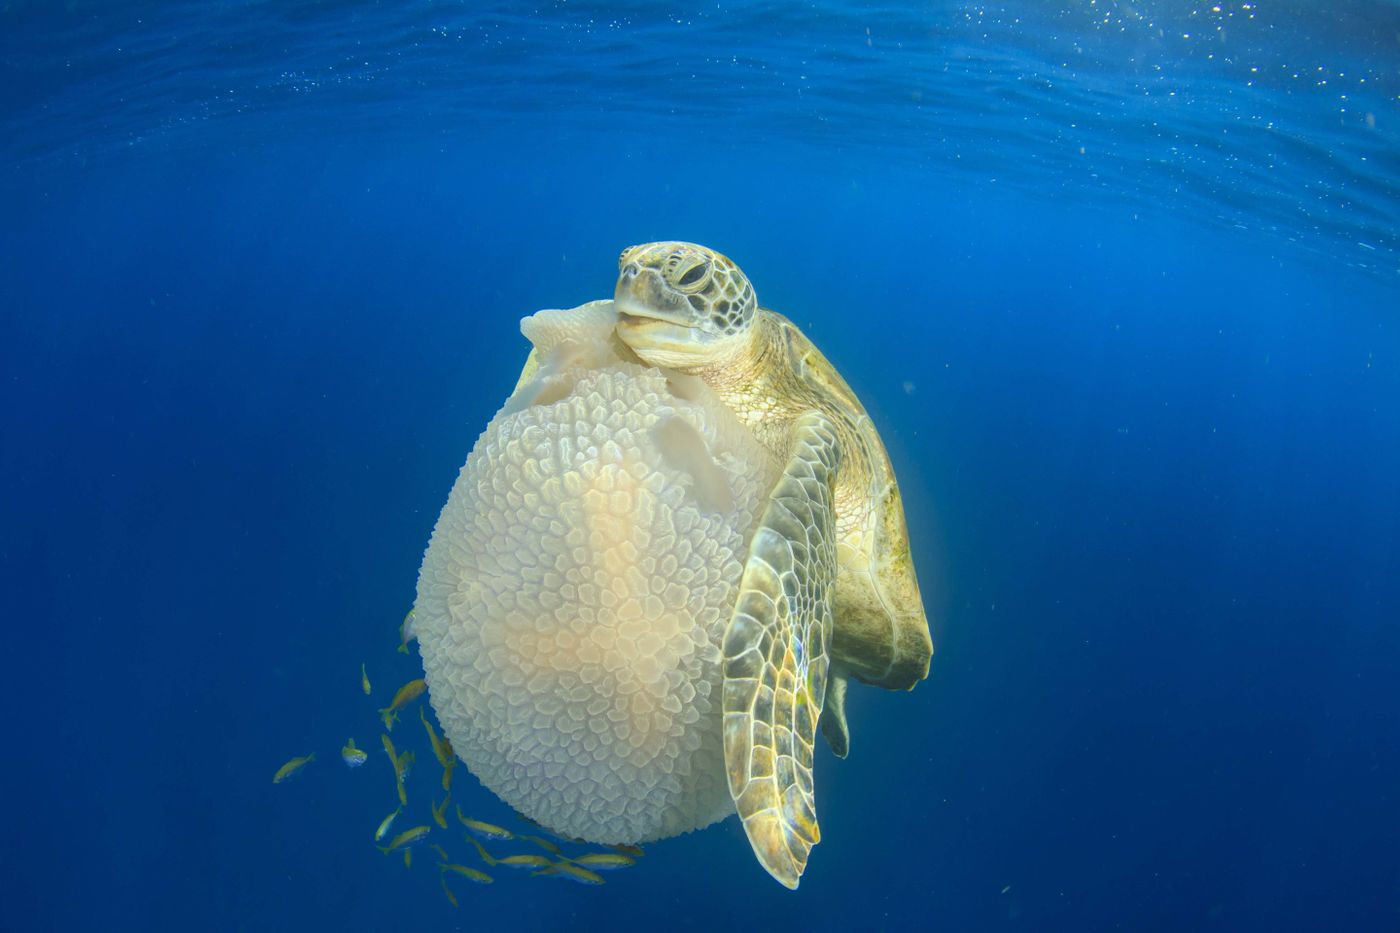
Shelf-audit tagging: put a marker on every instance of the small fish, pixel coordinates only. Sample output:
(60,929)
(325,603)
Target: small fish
(442,749)
(364,680)
(525,861)
(433,739)
(438,810)
(452,898)
(384,825)
(481,850)
(572,873)
(480,877)
(543,844)
(484,830)
(442,853)
(291,768)
(402,766)
(406,695)
(399,768)
(604,861)
(406,632)
(634,851)
(407,838)
(352,756)
(407,858)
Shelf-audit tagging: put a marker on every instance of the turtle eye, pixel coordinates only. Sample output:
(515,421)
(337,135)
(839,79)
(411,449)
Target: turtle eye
(694,275)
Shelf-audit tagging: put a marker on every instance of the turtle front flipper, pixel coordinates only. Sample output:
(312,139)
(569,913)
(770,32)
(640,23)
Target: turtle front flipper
(833,721)
(776,652)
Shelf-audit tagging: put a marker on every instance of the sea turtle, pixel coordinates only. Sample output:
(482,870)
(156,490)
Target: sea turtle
(835,513)
(663,558)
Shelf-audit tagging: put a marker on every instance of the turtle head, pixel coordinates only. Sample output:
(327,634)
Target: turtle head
(682,306)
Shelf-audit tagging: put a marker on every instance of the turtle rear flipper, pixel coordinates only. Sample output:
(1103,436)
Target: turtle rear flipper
(776,651)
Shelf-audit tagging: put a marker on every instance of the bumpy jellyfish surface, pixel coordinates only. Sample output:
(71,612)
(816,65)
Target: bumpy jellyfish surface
(574,594)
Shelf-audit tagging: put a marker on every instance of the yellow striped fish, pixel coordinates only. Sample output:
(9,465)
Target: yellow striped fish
(292,768)
(480,877)
(406,695)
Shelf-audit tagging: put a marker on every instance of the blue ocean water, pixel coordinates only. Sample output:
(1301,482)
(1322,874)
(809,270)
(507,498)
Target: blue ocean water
(1118,281)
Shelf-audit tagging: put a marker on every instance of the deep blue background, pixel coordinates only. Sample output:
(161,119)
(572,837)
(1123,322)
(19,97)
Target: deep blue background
(1151,466)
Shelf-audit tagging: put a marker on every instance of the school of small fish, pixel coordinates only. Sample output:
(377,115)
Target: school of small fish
(547,858)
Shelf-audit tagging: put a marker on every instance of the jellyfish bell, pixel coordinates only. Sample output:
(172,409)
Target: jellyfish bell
(576,588)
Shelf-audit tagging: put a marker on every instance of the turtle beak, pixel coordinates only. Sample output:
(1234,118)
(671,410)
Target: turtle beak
(642,297)
(631,314)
